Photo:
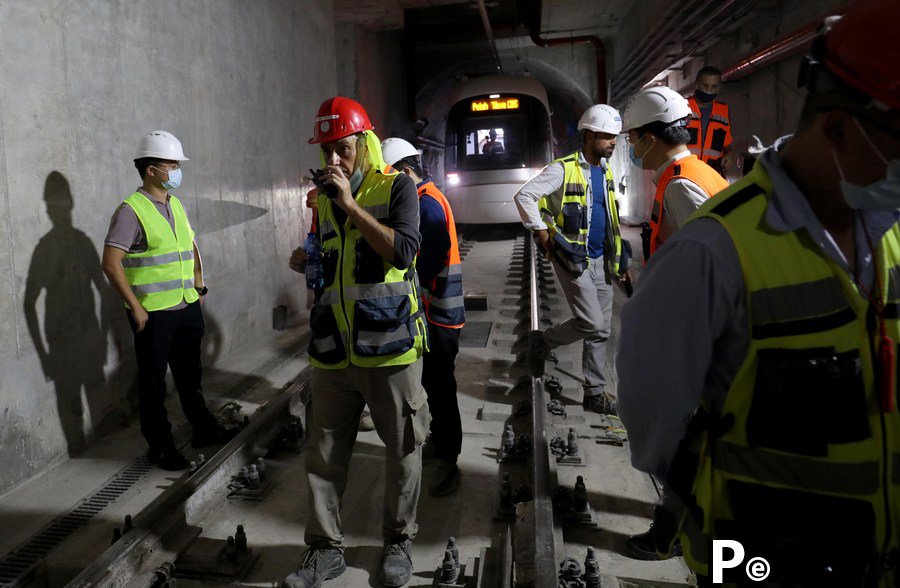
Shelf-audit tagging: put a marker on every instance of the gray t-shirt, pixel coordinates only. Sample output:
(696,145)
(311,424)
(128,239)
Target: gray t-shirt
(126,232)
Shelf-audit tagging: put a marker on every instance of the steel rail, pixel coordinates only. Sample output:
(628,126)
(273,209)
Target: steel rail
(164,527)
(546,558)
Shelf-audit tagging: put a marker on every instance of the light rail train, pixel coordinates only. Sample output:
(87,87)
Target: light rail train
(497,138)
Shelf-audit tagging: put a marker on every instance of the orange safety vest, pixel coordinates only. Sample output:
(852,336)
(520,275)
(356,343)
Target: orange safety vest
(689,168)
(443,299)
(718,131)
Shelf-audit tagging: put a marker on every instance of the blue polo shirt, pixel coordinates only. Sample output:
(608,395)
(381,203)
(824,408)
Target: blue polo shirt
(597,226)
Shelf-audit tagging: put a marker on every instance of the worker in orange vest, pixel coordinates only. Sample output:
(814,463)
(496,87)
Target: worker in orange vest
(440,273)
(656,121)
(710,126)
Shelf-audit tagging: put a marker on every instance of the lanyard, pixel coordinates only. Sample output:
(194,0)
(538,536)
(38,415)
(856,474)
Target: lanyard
(884,364)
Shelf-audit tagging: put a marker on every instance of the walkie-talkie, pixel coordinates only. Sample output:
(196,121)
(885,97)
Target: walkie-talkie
(330,190)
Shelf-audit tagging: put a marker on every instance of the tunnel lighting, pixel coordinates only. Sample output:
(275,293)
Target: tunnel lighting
(494,96)
(453,179)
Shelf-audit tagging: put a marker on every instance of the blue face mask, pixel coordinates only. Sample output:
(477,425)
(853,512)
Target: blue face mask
(705,96)
(356,180)
(631,155)
(174,179)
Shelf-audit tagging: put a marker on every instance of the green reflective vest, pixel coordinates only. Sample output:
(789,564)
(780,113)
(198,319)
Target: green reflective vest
(567,219)
(802,463)
(368,313)
(163,275)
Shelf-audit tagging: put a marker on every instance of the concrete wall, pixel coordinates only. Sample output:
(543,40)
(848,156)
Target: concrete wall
(239,83)
(371,70)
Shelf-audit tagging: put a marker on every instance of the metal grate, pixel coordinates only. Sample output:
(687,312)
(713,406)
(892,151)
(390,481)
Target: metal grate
(17,564)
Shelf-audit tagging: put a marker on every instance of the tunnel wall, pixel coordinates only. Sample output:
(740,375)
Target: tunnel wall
(239,83)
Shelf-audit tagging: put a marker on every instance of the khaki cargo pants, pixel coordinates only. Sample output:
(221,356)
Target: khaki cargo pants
(399,410)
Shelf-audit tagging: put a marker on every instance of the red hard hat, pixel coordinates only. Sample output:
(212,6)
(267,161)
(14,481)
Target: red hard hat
(340,117)
(862,50)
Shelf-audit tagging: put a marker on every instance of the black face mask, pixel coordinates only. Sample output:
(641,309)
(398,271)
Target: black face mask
(704,96)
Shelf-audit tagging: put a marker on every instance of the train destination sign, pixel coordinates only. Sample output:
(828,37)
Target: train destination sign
(495,104)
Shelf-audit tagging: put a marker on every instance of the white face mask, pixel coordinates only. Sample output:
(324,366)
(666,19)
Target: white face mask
(881,195)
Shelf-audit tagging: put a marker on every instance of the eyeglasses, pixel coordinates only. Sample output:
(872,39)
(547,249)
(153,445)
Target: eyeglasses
(167,166)
(628,140)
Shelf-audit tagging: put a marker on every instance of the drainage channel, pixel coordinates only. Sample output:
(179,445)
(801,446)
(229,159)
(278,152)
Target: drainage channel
(18,567)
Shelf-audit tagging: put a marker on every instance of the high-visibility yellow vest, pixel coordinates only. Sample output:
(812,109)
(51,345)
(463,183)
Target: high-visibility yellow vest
(368,314)
(568,220)
(163,275)
(802,464)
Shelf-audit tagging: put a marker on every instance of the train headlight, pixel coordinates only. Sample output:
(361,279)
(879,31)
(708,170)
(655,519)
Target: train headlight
(453,179)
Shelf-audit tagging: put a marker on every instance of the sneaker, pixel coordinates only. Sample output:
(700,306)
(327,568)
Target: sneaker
(537,354)
(444,479)
(365,422)
(218,436)
(318,564)
(429,452)
(396,563)
(170,459)
(643,547)
(603,403)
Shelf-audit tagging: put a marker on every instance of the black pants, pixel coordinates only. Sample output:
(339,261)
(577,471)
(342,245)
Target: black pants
(440,385)
(170,339)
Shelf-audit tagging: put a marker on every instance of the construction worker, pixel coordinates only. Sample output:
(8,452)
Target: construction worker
(368,335)
(774,419)
(440,273)
(710,124)
(570,208)
(656,121)
(151,259)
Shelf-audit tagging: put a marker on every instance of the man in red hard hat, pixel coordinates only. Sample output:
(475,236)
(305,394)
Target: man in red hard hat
(774,418)
(368,336)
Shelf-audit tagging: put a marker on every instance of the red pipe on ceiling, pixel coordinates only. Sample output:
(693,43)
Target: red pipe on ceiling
(599,49)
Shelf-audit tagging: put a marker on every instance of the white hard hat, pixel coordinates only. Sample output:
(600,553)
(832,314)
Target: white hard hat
(395,149)
(601,118)
(655,104)
(160,145)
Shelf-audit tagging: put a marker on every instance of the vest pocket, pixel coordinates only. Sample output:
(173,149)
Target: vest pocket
(573,218)
(382,326)
(808,539)
(326,344)
(806,399)
(369,268)
(329,266)
(718,140)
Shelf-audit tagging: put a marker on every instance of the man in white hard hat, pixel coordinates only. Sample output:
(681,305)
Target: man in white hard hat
(656,121)
(570,208)
(440,274)
(152,261)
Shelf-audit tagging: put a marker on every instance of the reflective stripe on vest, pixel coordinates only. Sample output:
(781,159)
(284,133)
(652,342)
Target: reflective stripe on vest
(689,168)
(804,415)
(368,313)
(162,276)
(718,131)
(569,225)
(444,302)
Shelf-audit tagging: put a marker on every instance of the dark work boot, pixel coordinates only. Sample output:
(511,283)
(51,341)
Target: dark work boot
(603,403)
(318,564)
(396,563)
(644,547)
(169,459)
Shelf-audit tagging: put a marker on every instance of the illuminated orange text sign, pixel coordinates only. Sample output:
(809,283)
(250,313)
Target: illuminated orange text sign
(495,104)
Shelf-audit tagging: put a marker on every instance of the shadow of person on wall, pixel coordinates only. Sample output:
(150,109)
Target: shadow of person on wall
(77,313)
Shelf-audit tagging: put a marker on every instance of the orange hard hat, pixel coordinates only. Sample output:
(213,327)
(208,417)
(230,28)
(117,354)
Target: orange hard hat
(861,49)
(340,117)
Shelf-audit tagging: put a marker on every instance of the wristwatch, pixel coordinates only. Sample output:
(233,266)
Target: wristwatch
(201,290)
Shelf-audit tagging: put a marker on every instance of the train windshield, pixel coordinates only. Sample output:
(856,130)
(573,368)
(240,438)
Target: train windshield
(490,132)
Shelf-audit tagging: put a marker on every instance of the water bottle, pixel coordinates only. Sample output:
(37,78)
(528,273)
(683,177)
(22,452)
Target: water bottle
(314,274)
